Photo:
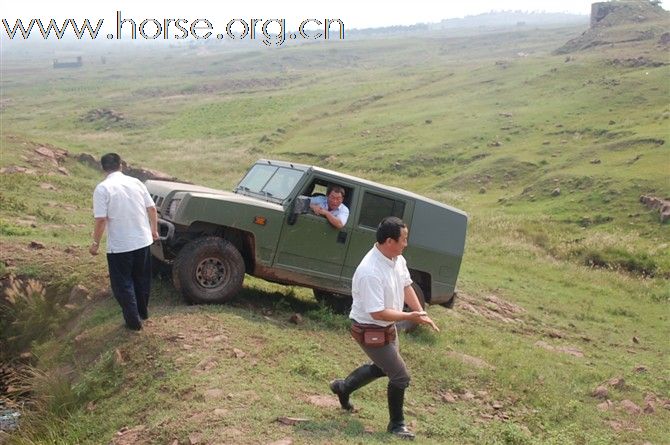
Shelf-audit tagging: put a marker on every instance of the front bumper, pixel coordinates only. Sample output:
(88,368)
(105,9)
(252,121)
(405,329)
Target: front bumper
(165,235)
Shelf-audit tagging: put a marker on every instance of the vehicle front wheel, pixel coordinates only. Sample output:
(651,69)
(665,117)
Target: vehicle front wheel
(208,270)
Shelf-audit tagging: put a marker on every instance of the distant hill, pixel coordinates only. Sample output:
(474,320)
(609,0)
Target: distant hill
(493,20)
(622,21)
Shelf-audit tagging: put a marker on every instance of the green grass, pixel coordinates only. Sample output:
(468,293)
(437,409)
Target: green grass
(465,120)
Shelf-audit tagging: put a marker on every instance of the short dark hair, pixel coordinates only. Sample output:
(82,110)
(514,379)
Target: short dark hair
(110,162)
(390,227)
(335,188)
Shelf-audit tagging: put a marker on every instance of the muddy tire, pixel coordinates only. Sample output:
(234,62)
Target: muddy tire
(409,326)
(208,270)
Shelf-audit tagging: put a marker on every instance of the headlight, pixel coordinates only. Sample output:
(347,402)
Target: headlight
(172,209)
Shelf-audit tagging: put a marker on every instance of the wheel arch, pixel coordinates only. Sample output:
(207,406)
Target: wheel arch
(244,242)
(423,280)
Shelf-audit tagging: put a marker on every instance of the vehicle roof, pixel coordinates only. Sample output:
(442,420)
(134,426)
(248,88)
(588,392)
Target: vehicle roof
(381,187)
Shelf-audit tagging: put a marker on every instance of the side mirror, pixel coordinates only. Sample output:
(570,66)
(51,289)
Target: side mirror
(300,206)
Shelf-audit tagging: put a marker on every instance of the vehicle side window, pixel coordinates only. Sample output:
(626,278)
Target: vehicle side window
(319,187)
(376,207)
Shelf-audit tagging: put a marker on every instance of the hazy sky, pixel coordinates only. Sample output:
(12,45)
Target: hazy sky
(354,13)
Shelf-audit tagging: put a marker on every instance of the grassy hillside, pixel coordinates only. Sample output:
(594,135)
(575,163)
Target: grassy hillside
(561,292)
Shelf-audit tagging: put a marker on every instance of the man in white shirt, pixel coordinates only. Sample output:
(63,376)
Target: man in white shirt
(331,206)
(123,206)
(381,286)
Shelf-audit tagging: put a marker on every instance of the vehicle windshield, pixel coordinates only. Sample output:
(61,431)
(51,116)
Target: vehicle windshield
(270,181)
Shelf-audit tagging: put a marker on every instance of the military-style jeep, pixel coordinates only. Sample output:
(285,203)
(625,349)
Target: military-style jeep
(265,228)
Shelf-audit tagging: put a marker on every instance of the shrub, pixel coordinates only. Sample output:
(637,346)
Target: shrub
(27,314)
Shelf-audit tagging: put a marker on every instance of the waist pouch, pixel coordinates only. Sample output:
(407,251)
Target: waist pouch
(372,335)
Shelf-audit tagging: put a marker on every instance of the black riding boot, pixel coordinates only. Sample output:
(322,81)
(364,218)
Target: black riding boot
(396,400)
(358,378)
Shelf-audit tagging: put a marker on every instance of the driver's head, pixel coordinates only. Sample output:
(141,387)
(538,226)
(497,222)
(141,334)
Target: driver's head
(335,195)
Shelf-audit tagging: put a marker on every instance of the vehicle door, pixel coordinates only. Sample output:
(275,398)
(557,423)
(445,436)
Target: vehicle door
(375,206)
(311,246)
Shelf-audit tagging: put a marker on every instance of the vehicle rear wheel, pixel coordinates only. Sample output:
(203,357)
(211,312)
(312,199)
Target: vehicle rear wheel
(409,326)
(339,303)
(208,270)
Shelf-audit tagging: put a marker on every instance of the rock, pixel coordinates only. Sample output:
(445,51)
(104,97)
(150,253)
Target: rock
(482,190)
(654,203)
(429,121)
(63,171)
(497,405)
(595,161)
(118,357)
(630,407)
(47,153)
(16,169)
(79,293)
(556,191)
(296,319)
(146,173)
(640,368)
(467,396)
(605,406)
(649,408)
(615,425)
(448,397)
(636,340)
(221,412)
(665,215)
(207,364)
(47,186)
(35,245)
(600,392)
(89,160)
(617,382)
(291,420)
(238,353)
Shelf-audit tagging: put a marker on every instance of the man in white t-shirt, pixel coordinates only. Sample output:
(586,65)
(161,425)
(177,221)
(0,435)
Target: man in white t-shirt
(331,206)
(123,206)
(381,286)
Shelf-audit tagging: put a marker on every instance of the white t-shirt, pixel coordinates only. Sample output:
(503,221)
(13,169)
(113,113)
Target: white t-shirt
(123,200)
(379,283)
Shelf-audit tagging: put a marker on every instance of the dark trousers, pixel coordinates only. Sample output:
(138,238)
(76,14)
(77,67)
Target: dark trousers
(130,277)
(388,359)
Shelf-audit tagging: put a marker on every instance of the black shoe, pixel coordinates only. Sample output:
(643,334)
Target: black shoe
(396,400)
(358,378)
(400,430)
(137,327)
(337,386)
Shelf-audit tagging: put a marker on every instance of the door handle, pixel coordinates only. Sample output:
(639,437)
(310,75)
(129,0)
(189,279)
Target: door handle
(342,237)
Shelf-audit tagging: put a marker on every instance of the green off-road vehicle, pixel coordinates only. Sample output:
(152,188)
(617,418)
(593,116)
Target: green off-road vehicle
(265,228)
